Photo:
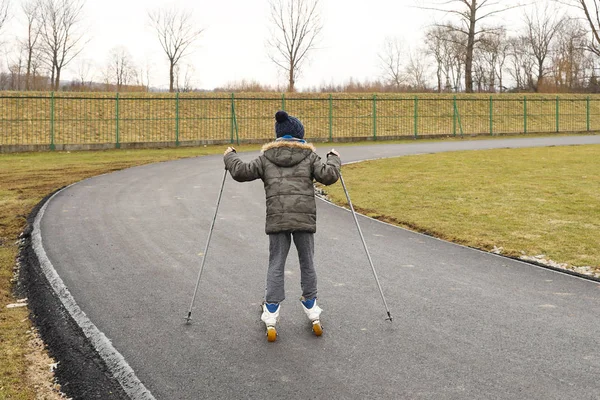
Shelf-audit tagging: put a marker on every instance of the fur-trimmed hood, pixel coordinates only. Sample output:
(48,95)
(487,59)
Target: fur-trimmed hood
(288,143)
(287,153)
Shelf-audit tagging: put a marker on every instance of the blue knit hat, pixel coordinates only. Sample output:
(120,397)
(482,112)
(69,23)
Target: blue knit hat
(288,125)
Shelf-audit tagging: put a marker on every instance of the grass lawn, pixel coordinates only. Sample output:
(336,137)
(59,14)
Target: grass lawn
(533,200)
(526,201)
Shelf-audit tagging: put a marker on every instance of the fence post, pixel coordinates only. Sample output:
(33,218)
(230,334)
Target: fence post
(283,101)
(52,147)
(588,113)
(374,117)
(524,114)
(234,121)
(416,117)
(232,117)
(557,115)
(454,116)
(117,143)
(177,119)
(330,117)
(491,116)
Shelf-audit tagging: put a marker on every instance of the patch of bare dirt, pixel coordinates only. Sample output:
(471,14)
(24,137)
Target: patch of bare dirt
(40,370)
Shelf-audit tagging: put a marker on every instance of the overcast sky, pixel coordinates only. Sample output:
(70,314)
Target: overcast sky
(233,44)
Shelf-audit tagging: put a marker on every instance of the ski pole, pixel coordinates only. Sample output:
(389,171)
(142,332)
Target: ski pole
(366,249)
(212,225)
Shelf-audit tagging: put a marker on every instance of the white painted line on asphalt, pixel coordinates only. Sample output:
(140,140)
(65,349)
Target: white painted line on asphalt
(115,362)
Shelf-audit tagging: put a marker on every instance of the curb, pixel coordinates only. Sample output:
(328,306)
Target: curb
(114,361)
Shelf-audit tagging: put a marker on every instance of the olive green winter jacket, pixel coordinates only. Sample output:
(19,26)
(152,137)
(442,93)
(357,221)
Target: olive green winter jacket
(287,169)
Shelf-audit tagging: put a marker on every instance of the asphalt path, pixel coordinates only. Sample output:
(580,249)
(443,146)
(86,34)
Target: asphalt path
(467,324)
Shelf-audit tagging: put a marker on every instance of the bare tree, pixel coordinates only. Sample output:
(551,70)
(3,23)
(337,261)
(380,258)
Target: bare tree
(60,41)
(176,32)
(493,52)
(542,26)
(470,13)
(297,27)
(444,43)
(142,76)
(120,67)
(37,79)
(480,71)
(391,63)
(15,67)
(105,77)
(184,79)
(590,9)
(84,72)
(502,46)
(434,42)
(417,70)
(571,62)
(30,43)
(521,63)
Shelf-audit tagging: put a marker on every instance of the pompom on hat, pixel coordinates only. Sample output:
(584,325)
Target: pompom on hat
(287,125)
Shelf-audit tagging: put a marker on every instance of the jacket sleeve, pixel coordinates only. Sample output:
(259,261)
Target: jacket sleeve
(327,172)
(241,171)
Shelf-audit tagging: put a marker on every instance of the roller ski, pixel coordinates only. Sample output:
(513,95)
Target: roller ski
(313,312)
(270,316)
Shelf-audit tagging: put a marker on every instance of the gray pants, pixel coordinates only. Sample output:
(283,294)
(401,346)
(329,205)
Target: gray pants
(279,246)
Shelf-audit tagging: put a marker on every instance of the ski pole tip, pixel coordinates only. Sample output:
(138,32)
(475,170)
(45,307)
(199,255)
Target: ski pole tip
(389,318)
(188,318)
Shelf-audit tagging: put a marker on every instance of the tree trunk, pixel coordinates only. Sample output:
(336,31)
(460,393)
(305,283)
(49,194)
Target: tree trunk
(540,78)
(28,73)
(500,83)
(52,77)
(470,48)
(291,81)
(57,81)
(171,77)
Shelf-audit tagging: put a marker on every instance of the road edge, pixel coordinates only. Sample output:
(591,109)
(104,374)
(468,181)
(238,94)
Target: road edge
(89,366)
(575,274)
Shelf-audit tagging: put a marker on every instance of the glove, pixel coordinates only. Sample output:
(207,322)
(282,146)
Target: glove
(229,150)
(332,151)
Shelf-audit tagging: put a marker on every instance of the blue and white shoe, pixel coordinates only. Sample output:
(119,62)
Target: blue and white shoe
(270,316)
(313,312)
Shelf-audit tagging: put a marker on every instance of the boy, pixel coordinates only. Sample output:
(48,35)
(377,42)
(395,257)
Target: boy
(287,167)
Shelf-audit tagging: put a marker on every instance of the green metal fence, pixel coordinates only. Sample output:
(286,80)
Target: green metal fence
(51,119)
